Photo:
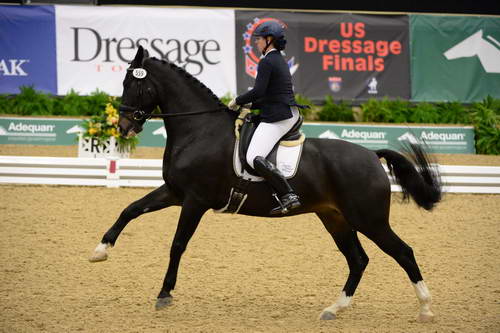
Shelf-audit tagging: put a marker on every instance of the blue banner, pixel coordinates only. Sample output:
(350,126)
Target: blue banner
(27,48)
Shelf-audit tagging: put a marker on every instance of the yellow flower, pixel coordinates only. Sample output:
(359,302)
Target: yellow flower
(110,120)
(110,110)
(93,131)
(114,132)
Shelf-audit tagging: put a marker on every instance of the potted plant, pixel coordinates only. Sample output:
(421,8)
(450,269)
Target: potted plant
(101,137)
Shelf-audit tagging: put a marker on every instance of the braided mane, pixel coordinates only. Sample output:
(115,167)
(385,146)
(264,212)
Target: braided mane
(192,79)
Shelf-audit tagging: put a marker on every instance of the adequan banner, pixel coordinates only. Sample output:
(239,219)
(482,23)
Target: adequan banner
(439,139)
(350,57)
(455,58)
(95,45)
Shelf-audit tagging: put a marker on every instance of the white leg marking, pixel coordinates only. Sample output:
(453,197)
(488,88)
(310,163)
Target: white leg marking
(341,304)
(424,297)
(100,253)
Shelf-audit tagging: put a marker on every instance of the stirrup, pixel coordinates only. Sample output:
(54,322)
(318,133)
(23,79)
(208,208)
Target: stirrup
(284,208)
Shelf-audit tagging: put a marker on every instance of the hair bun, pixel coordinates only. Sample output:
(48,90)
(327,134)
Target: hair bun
(280,43)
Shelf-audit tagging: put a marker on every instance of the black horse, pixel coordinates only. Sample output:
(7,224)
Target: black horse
(343,183)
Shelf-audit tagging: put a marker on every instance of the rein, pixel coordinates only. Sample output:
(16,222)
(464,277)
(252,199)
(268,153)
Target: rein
(142,115)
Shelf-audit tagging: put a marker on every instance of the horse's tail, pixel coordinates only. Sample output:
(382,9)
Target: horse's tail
(419,179)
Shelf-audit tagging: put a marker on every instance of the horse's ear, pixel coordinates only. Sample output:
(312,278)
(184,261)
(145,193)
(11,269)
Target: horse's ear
(146,55)
(137,62)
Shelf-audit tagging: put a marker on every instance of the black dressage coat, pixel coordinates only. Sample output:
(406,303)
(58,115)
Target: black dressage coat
(273,91)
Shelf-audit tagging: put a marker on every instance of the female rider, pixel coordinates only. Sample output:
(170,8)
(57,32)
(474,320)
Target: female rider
(273,95)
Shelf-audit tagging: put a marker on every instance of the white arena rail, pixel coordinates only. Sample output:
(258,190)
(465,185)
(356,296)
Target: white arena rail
(147,173)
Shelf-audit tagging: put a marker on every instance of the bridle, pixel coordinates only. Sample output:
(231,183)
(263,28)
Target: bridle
(139,115)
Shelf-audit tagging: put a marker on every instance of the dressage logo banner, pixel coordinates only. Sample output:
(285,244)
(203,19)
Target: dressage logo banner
(96,44)
(343,55)
(455,58)
(27,48)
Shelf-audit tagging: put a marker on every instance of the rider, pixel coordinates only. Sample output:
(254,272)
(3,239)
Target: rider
(273,95)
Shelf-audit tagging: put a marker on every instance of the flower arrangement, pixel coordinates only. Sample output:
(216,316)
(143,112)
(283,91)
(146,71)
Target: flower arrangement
(105,126)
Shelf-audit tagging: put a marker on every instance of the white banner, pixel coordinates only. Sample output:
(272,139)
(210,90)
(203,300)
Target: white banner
(95,45)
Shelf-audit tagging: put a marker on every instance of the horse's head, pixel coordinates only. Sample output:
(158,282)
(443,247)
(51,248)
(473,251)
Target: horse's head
(140,96)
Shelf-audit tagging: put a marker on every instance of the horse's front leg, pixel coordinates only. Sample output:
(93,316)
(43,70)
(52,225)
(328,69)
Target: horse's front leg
(189,219)
(158,199)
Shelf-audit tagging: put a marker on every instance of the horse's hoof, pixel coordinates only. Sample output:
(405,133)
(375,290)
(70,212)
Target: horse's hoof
(425,317)
(99,256)
(163,302)
(100,253)
(327,315)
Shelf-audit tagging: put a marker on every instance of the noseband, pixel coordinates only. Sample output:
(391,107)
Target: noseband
(137,114)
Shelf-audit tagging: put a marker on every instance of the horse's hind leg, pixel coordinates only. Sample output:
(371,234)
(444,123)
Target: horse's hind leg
(391,244)
(158,199)
(348,243)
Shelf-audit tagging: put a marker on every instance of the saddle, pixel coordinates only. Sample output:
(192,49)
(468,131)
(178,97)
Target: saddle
(246,131)
(245,127)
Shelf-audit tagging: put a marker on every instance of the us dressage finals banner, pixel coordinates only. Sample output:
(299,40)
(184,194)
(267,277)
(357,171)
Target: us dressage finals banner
(347,56)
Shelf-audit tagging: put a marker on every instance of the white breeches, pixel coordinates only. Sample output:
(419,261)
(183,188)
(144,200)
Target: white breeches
(268,134)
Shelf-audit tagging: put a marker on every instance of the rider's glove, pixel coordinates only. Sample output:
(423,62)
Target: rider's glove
(233,106)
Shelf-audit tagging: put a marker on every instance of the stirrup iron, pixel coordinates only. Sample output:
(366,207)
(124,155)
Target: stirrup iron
(284,210)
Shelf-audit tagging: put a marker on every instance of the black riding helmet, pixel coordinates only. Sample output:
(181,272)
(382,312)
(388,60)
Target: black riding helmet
(273,29)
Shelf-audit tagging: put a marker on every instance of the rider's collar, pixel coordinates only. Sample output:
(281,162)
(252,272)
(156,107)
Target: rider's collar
(267,52)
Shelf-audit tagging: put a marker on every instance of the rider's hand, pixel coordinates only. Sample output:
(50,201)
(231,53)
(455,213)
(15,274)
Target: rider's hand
(233,106)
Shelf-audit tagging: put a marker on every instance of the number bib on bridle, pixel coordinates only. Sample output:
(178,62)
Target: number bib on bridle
(139,73)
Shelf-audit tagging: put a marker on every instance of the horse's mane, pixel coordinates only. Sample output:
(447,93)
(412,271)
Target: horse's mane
(191,79)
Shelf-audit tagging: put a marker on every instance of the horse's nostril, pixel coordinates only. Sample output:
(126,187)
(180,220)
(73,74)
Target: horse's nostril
(122,131)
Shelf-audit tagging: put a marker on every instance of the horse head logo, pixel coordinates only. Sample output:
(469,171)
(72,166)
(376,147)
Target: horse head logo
(408,137)
(488,51)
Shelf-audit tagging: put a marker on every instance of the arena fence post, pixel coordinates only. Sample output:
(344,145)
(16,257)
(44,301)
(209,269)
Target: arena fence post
(112,175)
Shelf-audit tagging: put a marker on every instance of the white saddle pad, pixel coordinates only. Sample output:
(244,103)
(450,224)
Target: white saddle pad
(287,161)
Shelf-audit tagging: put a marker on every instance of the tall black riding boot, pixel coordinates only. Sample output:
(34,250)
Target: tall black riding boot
(288,199)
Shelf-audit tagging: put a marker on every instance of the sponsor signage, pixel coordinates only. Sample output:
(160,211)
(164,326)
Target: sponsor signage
(455,58)
(96,44)
(442,139)
(38,131)
(27,48)
(344,55)
(62,132)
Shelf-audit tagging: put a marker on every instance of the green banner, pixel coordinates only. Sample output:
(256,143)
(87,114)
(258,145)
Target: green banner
(38,131)
(454,58)
(64,131)
(442,139)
